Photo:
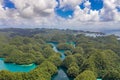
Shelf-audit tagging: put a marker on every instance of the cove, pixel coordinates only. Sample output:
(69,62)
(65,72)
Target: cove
(14,67)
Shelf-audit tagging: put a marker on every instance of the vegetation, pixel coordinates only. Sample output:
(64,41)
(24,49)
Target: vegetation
(64,46)
(111,75)
(86,75)
(73,70)
(86,57)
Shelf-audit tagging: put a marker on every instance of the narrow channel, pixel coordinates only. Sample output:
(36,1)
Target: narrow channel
(61,75)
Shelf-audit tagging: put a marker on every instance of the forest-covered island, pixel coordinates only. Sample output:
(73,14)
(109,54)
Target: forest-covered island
(88,59)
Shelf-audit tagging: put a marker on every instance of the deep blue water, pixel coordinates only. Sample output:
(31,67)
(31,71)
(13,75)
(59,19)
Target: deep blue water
(61,75)
(15,68)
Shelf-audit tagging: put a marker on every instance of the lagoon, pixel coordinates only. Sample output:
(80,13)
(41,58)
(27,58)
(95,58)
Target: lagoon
(14,67)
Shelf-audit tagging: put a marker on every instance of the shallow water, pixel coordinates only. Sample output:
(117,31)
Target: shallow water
(14,67)
(55,49)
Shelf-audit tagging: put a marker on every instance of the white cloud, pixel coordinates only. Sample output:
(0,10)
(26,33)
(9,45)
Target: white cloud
(1,1)
(2,11)
(70,3)
(35,8)
(39,13)
(87,4)
(86,14)
(29,13)
(109,12)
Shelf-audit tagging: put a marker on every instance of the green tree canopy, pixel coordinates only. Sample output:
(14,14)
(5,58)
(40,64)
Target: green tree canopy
(86,75)
(112,75)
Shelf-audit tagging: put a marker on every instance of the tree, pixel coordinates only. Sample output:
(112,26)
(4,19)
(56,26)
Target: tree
(68,60)
(73,70)
(39,59)
(16,41)
(27,40)
(47,52)
(112,75)
(55,60)
(78,50)
(86,75)
(64,46)
(79,59)
(67,53)
(6,75)
(37,74)
(48,67)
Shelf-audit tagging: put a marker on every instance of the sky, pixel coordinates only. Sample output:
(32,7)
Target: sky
(73,14)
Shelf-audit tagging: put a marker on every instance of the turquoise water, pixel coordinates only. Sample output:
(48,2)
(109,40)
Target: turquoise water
(55,49)
(62,54)
(15,68)
(72,43)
